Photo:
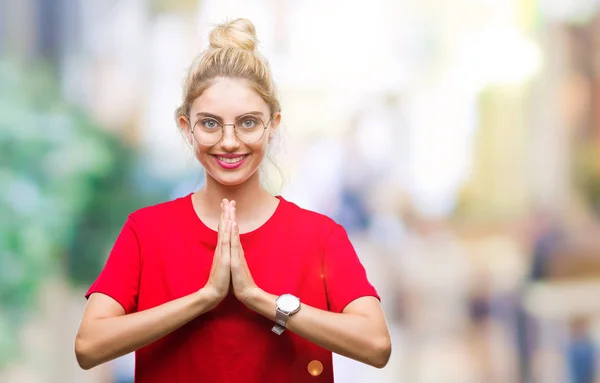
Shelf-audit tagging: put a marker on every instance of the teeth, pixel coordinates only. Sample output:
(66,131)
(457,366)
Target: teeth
(230,160)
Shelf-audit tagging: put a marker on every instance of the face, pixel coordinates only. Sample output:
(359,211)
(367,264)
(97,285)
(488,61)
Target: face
(230,161)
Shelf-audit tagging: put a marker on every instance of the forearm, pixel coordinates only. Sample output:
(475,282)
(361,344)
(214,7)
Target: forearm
(105,339)
(345,334)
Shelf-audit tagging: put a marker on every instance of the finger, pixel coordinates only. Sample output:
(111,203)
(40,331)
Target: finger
(231,208)
(225,238)
(235,232)
(228,211)
(224,208)
(235,237)
(225,252)
(235,245)
(221,226)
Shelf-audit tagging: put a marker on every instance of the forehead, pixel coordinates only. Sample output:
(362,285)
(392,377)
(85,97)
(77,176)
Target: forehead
(228,97)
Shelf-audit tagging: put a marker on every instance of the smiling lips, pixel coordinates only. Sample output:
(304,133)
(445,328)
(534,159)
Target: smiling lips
(230,161)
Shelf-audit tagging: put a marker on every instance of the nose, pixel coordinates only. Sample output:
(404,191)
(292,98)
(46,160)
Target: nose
(229,142)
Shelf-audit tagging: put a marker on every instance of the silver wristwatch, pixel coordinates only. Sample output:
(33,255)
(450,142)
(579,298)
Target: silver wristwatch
(286,305)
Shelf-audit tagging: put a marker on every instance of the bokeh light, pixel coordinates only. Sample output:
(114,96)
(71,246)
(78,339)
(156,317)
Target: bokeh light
(315,368)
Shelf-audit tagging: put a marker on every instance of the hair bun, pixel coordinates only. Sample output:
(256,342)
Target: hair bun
(238,33)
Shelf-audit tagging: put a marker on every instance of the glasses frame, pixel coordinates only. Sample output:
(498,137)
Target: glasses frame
(234,126)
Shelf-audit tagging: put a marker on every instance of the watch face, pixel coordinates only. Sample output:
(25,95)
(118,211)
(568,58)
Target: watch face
(288,303)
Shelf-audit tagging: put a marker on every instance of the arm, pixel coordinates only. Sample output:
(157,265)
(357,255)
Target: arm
(107,333)
(359,332)
(357,329)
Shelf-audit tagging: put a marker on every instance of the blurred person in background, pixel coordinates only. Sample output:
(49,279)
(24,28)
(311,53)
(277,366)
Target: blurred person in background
(581,352)
(545,236)
(206,292)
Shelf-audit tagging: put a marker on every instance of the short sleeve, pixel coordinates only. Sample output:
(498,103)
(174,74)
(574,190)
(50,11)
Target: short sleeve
(345,276)
(119,279)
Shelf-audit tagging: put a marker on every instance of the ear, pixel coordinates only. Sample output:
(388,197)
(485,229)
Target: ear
(274,125)
(184,125)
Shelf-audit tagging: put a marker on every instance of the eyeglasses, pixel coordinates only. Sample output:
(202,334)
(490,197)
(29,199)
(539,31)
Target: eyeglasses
(249,129)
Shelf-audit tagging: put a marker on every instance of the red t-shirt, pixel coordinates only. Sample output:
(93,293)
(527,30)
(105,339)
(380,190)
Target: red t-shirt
(165,252)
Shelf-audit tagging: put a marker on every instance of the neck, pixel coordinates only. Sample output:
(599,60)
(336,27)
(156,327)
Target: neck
(249,196)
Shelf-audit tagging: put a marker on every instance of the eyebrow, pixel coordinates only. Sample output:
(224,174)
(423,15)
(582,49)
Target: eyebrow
(206,114)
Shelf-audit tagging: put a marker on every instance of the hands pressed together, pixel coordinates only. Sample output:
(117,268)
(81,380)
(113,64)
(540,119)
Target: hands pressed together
(229,268)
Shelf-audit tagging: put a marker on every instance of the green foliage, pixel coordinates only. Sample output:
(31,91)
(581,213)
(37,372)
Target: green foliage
(67,187)
(124,189)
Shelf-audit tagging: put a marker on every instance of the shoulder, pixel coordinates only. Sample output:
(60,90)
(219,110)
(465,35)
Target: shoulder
(159,212)
(309,219)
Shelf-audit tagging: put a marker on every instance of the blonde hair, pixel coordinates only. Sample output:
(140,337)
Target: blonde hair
(231,54)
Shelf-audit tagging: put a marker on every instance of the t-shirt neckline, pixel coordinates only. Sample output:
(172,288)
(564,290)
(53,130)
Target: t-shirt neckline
(189,206)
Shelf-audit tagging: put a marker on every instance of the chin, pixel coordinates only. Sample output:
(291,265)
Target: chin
(231,182)
(231,179)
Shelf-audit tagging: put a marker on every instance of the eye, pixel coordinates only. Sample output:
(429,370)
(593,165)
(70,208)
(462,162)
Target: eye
(209,123)
(249,123)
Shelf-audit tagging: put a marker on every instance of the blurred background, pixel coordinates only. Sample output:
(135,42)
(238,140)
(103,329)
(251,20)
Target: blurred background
(457,141)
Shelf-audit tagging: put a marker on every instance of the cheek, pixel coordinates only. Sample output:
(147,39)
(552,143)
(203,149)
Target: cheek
(202,156)
(260,152)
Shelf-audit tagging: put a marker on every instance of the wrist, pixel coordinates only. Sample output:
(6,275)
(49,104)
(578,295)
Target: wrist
(206,299)
(261,302)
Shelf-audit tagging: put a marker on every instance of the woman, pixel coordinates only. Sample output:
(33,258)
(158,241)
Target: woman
(204,287)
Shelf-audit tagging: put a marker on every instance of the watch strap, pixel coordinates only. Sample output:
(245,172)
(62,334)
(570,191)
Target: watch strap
(281,318)
(278,329)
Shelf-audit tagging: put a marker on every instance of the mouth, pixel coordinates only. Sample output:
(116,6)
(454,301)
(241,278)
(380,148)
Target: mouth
(230,162)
